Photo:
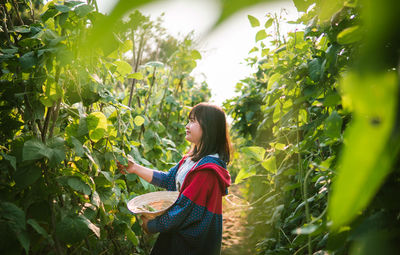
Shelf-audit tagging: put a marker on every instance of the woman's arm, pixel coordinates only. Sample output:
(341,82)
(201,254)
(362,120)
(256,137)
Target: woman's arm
(161,179)
(134,168)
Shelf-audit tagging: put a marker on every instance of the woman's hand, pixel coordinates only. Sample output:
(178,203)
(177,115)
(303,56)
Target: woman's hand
(127,169)
(144,224)
(134,168)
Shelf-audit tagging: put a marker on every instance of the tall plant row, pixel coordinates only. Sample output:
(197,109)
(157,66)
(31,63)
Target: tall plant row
(68,112)
(315,125)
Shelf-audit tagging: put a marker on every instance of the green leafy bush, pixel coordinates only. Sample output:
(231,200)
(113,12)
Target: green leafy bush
(70,112)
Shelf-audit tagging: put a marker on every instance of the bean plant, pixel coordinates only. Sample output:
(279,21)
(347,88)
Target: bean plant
(69,112)
(316,127)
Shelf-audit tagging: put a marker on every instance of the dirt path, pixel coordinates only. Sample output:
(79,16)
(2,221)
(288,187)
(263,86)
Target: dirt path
(234,222)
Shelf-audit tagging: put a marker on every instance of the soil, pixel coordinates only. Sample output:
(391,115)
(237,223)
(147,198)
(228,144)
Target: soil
(234,222)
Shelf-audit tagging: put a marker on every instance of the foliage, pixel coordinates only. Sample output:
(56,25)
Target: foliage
(311,117)
(70,116)
(317,125)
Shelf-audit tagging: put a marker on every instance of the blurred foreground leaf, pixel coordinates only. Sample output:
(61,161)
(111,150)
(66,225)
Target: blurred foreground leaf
(104,28)
(366,158)
(230,7)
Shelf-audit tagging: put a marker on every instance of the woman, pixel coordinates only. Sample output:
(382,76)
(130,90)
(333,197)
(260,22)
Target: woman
(193,225)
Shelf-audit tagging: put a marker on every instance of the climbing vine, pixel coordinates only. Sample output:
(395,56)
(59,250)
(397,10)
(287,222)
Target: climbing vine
(306,119)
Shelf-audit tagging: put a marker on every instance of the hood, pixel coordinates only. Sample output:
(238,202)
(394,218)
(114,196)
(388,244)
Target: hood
(224,178)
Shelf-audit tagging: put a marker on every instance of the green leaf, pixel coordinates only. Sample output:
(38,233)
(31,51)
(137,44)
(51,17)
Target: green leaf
(254,152)
(56,145)
(11,159)
(350,35)
(254,49)
(314,69)
(277,113)
(123,67)
(96,199)
(26,176)
(49,13)
(261,35)
(273,79)
(30,43)
(9,51)
(97,125)
(126,46)
(131,177)
(196,54)
(77,184)
(27,60)
(137,76)
(131,236)
(78,147)
(158,97)
(83,10)
(22,29)
(14,216)
(104,27)
(280,49)
(329,8)
(366,158)
(279,146)
(269,23)
(82,128)
(145,184)
(35,149)
(253,21)
(62,18)
(333,125)
(245,173)
(95,229)
(302,5)
(122,159)
(71,4)
(139,120)
(39,229)
(168,142)
(270,164)
(332,99)
(62,8)
(71,229)
(107,176)
(24,240)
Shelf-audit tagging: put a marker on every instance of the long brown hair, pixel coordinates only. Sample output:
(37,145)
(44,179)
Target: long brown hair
(215,138)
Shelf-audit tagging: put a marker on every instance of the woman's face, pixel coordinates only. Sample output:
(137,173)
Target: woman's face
(193,131)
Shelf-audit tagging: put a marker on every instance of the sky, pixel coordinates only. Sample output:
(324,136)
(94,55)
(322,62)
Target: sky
(223,49)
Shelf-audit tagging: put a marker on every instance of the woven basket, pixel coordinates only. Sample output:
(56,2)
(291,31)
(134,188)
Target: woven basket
(153,204)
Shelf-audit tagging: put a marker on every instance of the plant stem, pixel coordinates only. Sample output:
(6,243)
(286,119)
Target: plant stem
(88,245)
(54,118)
(303,180)
(53,221)
(46,122)
(95,5)
(17,12)
(136,62)
(150,89)
(164,95)
(32,11)
(5,25)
